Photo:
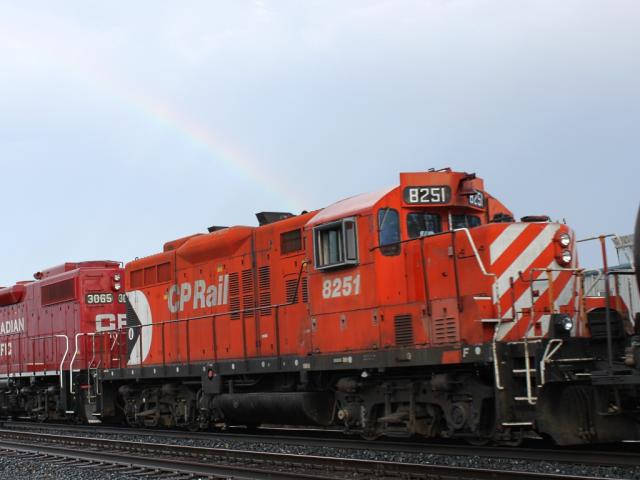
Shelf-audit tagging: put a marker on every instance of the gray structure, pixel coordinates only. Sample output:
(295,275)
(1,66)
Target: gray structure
(625,285)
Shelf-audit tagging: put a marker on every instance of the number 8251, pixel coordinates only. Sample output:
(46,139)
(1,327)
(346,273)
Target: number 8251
(341,286)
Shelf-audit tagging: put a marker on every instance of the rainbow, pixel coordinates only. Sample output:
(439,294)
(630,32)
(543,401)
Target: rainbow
(222,151)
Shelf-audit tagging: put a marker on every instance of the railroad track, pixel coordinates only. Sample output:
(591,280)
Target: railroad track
(158,460)
(626,455)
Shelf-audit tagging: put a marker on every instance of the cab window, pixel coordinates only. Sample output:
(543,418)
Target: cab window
(336,244)
(389,231)
(422,224)
(464,221)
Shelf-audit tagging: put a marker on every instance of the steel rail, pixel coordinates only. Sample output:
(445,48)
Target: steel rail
(590,456)
(245,464)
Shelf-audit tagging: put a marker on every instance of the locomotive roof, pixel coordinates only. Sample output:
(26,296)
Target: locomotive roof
(16,293)
(69,266)
(360,204)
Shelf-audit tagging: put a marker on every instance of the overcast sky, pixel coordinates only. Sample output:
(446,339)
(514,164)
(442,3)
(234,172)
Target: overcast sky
(127,124)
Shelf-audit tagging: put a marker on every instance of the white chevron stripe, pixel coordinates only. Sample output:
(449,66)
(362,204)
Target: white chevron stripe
(525,300)
(561,300)
(526,258)
(506,238)
(544,325)
(566,294)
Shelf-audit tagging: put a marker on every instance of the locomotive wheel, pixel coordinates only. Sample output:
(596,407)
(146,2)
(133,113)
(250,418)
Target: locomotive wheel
(370,435)
(478,442)
(193,426)
(516,441)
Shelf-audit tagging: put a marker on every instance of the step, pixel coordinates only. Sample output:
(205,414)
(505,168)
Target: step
(497,320)
(529,341)
(531,371)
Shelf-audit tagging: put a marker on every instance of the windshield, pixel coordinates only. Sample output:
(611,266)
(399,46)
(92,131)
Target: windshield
(464,221)
(423,224)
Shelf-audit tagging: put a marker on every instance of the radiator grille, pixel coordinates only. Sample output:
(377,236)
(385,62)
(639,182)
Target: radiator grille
(247,281)
(234,306)
(264,282)
(445,330)
(247,305)
(264,278)
(265,302)
(58,292)
(404,330)
(305,291)
(234,287)
(234,299)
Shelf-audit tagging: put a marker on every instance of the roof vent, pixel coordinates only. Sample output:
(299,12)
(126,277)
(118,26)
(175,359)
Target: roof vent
(535,218)
(265,218)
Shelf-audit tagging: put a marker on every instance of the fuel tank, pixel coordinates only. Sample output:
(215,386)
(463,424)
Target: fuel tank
(283,408)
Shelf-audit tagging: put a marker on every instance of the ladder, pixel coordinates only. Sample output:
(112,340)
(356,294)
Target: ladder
(529,369)
(93,389)
(93,384)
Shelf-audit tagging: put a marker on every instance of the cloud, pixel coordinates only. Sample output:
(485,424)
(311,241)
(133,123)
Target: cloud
(109,112)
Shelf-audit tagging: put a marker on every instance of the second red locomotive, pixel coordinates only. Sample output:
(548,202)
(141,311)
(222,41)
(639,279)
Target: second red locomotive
(48,333)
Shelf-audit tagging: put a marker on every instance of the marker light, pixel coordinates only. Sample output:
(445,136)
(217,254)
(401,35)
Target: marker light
(117,287)
(565,257)
(116,277)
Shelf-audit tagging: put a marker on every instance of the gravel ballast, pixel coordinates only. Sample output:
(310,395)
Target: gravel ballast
(17,468)
(7,465)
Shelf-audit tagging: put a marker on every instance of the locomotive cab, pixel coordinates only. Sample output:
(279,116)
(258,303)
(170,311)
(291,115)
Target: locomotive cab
(438,273)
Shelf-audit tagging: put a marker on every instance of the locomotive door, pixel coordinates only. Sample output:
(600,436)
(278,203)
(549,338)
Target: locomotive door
(263,327)
(343,311)
(396,325)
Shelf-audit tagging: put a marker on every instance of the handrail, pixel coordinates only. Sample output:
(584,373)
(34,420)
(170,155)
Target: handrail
(574,272)
(549,352)
(75,354)
(66,351)
(10,337)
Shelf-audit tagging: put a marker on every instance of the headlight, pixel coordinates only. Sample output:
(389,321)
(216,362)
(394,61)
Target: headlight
(117,287)
(565,257)
(564,239)
(562,324)
(566,323)
(116,277)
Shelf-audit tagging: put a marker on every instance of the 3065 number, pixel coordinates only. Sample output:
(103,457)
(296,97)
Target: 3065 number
(99,298)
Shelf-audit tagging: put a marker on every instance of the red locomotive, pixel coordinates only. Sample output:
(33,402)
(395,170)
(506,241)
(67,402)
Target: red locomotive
(48,333)
(423,309)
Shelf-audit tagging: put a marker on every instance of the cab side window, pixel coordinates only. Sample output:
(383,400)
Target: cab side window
(422,224)
(336,244)
(389,231)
